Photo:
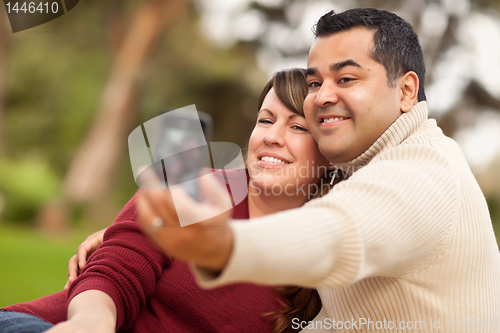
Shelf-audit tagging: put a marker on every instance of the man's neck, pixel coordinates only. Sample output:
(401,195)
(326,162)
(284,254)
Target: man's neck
(403,127)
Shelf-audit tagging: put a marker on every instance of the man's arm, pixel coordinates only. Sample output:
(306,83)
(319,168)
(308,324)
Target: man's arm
(384,220)
(387,218)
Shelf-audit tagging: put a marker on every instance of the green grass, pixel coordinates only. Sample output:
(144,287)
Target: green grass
(33,265)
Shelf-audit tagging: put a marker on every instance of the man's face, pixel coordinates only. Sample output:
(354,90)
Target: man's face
(350,103)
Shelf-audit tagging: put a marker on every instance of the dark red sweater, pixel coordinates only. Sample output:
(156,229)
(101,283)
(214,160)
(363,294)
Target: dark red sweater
(154,293)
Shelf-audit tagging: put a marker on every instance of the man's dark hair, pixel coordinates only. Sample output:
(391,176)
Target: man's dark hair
(396,43)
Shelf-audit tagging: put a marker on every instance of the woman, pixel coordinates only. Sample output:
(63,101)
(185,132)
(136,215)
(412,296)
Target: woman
(128,285)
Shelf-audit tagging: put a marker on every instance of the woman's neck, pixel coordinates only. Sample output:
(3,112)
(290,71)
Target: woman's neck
(261,204)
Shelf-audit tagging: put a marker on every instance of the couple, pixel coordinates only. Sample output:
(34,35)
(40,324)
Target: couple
(405,243)
(129,285)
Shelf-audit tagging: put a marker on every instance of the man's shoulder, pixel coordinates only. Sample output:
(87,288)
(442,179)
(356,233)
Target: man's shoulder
(428,154)
(428,134)
(429,139)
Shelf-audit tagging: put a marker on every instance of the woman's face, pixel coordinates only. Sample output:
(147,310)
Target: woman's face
(283,158)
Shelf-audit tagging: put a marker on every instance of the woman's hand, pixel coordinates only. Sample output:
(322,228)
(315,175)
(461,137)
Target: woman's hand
(79,260)
(207,240)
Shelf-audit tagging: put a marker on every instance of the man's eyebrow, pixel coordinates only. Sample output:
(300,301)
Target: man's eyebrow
(339,65)
(334,67)
(311,71)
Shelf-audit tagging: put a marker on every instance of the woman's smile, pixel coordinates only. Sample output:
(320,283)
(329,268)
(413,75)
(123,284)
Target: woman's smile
(272,160)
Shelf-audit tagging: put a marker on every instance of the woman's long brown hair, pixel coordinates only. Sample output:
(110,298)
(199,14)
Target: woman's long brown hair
(290,86)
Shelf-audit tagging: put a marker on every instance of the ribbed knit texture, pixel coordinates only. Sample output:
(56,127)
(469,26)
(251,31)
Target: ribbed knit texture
(407,237)
(153,293)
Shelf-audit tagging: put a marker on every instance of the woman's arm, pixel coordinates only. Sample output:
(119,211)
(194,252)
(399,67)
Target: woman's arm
(125,267)
(91,311)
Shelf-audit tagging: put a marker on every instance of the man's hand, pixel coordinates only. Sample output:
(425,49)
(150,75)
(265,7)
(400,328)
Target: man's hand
(207,243)
(83,252)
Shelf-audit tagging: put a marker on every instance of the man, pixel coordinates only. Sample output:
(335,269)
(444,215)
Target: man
(406,242)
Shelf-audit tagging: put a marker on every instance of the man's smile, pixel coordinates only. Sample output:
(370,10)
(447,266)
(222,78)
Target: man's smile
(329,121)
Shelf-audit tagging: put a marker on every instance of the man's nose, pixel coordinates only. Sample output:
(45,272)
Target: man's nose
(326,94)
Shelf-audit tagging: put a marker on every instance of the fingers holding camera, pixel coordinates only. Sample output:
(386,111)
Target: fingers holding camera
(156,209)
(206,241)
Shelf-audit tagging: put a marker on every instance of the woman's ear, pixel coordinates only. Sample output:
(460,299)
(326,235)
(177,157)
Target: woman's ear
(408,85)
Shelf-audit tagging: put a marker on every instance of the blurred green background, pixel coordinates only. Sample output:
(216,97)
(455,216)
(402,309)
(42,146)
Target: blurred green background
(73,89)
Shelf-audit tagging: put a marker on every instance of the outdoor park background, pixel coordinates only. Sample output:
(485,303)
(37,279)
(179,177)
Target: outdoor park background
(73,89)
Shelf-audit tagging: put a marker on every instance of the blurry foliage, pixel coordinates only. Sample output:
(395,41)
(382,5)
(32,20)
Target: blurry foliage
(56,74)
(486,4)
(26,184)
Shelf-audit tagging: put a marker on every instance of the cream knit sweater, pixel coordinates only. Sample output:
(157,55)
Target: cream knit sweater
(404,244)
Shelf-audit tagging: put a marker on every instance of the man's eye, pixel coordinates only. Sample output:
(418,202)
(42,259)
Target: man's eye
(345,80)
(314,85)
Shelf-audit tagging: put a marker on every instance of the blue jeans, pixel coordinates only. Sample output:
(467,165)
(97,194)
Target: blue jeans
(13,322)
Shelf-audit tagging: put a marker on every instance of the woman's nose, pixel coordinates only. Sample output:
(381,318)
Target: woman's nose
(275,135)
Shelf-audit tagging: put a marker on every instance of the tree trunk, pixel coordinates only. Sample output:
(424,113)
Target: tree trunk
(91,172)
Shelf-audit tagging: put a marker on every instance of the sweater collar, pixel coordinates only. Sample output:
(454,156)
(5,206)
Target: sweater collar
(400,130)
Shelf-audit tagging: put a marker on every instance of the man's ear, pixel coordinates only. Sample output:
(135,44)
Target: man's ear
(408,85)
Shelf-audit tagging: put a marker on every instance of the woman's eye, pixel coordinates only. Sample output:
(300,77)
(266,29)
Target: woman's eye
(265,121)
(300,128)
